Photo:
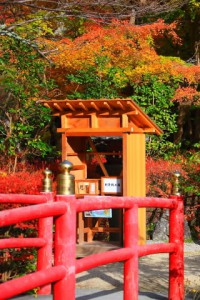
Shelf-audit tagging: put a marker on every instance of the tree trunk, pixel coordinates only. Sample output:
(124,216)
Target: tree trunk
(197,52)
(197,125)
(133,17)
(183,113)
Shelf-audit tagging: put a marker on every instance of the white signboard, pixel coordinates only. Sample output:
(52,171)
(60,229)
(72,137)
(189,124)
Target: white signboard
(111,185)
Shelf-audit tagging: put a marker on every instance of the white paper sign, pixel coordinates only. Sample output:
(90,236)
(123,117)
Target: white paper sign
(112,185)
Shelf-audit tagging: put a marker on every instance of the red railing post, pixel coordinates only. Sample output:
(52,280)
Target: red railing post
(45,253)
(131,264)
(65,249)
(176,258)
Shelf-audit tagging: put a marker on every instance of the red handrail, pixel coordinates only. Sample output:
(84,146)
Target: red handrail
(24,199)
(44,241)
(28,282)
(65,265)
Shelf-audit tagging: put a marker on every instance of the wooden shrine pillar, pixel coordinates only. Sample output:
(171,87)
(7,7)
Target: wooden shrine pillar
(134,174)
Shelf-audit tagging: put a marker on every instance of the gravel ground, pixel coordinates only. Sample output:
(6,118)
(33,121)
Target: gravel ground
(153,273)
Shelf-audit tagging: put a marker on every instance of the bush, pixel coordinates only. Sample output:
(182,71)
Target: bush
(160,176)
(21,183)
(160,182)
(16,262)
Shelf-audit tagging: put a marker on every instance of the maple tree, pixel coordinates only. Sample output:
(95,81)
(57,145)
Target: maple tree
(124,46)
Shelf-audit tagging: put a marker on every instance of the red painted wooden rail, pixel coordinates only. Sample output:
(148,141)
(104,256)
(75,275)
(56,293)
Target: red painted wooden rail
(62,272)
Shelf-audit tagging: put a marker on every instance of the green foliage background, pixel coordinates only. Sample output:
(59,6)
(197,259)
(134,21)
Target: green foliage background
(23,122)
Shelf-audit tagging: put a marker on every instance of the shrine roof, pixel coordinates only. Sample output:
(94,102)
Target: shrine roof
(103,107)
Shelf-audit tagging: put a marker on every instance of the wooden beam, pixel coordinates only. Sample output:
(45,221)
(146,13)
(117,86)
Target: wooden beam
(47,105)
(94,121)
(107,105)
(105,229)
(114,153)
(72,154)
(132,113)
(80,113)
(98,131)
(70,106)
(94,105)
(124,120)
(121,105)
(90,133)
(110,113)
(83,106)
(57,106)
(92,130)
(77,113)
(104,113)
(149,130)
(98,157)
(130,103)
(80,228)
(115,113)
(78,167)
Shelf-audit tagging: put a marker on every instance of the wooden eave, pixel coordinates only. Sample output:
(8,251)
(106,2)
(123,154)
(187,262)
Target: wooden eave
(123,108)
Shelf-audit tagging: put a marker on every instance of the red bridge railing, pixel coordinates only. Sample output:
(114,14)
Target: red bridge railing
(62,271)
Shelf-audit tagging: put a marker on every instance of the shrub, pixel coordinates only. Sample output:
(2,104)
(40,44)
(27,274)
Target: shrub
(160,181)
(16,261)
(160,176)
(21,183)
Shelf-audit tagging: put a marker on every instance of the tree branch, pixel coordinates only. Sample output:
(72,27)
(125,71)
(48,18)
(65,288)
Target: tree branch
(103,9)
(11,34)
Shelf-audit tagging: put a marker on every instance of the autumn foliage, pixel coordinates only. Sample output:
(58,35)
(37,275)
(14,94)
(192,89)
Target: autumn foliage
(132,49)
(186,95)
(21,183)
(18,261)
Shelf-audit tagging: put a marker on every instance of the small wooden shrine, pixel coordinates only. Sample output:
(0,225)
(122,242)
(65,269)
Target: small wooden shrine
(92,132)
